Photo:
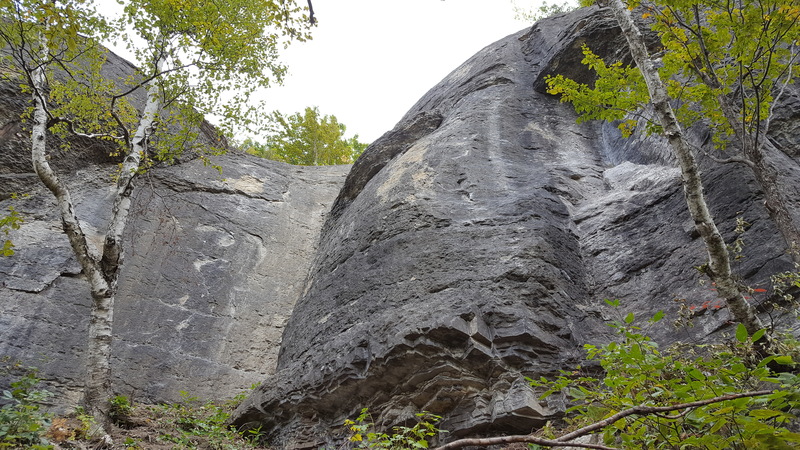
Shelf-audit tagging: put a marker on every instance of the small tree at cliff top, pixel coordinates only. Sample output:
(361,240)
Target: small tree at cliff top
(723,63)
(308,139)
(545,9)
(193,52)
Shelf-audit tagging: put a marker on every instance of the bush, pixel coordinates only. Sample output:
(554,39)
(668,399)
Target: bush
(196,424)
(362,434)
(715,396)
(22,423)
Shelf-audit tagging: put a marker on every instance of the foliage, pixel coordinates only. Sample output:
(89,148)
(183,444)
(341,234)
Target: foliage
(637,374)
(216,54)
(617,92)
(545,9)
(784,282)
(62,39)
(9,222)
(196,424)
(307,138)
(363,434)
(710,51)
(121,409)
(22,422)
(189,424)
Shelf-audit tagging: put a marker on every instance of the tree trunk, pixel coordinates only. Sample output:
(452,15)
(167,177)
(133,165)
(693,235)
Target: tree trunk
(719,260)
(101,273)
(98,387)
(775,199)
(753,147)
(112,245)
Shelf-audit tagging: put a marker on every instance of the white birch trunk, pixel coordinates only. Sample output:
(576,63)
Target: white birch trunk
(101,274)
(719,260)
(98,386)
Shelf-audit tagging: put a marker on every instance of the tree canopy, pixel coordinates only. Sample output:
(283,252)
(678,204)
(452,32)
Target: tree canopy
(309,139)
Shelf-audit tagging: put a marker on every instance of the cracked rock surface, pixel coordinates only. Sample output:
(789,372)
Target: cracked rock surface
(473,246)
(213,266)
(468,248)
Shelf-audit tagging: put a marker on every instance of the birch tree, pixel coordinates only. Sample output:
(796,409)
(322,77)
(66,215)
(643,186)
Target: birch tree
(726,64)
(190,54)
(738,58)
(722,65)
(719,259)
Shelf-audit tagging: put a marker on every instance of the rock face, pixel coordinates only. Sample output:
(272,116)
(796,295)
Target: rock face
(213,267)
(468,248)
(212,271)
(472,246)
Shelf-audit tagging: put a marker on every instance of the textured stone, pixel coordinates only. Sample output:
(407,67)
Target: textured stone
(212,270)
(478,251)
(214,263)
(468,248)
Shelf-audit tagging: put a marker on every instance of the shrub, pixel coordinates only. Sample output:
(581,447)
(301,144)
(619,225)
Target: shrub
(196,424)
(363,434)
(22,422)
(714,396)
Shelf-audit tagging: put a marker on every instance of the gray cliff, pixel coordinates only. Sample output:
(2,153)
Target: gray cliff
(468,248)
(214,264)
(473,246)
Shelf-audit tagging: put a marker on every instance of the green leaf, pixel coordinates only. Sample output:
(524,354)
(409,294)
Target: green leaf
(759,334)
(657,317)
(764,414)
(629,318)
(697,375)
(741,333)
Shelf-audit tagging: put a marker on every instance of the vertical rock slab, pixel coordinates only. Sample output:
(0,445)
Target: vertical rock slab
(214,263)
(473,244)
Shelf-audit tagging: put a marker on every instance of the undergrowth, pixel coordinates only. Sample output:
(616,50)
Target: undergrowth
(188,424)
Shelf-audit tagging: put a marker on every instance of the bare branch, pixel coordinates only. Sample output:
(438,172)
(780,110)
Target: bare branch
(789,77)
(56,120)
(529,439)
(730,160)
(676,416)
(311,17)
(563,441)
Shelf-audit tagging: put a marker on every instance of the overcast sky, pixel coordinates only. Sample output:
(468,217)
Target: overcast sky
(371,60)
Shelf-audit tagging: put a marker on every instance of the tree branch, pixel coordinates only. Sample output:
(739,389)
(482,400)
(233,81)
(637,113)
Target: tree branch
(529,439)
(56,120)
(311,18)
(563,441)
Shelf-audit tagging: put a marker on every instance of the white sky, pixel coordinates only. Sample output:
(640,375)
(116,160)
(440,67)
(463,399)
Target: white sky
(371,60)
